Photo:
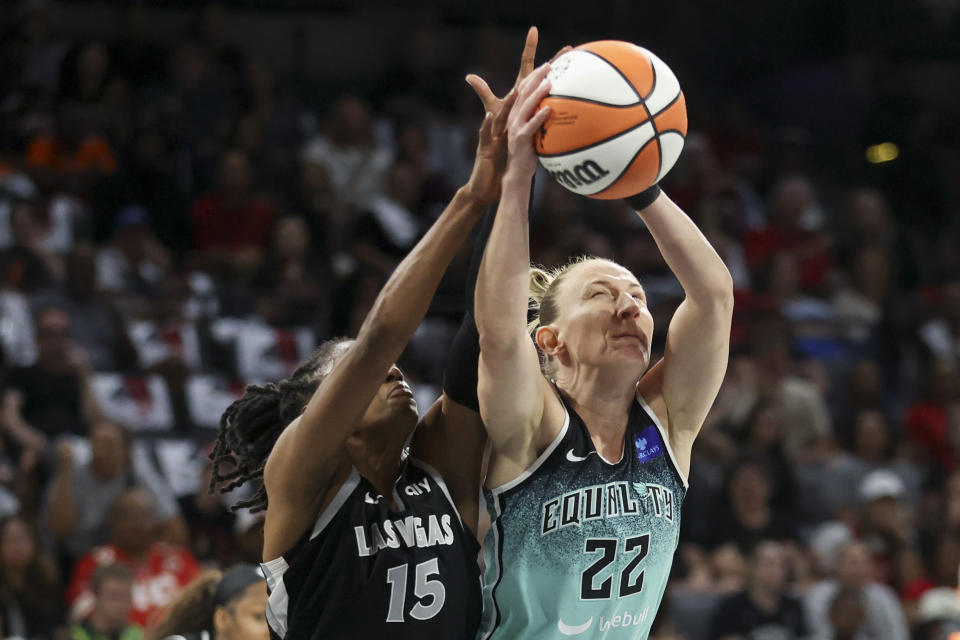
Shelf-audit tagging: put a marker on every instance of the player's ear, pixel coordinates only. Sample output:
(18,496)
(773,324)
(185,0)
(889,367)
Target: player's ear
(548,341)
(221,620)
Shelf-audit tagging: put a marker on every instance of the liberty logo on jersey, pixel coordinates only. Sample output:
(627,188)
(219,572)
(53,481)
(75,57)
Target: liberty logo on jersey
(648,444)
(610,500)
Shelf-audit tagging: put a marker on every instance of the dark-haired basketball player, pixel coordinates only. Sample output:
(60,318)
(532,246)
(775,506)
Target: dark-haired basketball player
(590,454)
(359,541)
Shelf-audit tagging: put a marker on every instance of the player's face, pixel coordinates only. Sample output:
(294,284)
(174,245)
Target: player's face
(244,618)
(393,405)
(603,316)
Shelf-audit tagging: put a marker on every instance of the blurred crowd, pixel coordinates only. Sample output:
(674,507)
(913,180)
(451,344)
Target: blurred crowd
(178,219)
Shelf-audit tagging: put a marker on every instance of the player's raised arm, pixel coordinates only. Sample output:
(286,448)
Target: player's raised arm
(698,338)
(309,453)
(451,436)
(510,385)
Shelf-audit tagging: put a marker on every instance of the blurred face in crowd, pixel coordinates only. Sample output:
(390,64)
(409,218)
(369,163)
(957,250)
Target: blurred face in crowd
(109,450)
(871,436)
(404,184)
(854,565)
(235,173)
(54,343)
(768,567)
(243,618)
(749,487)
(765,427)
(17,546)
(114,601)
(133,521)
(792,197)
(352,124)
(292,237)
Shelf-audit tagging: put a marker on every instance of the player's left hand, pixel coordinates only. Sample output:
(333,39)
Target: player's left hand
(491,158)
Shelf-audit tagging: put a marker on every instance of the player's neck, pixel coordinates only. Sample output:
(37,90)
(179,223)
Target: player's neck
(598,396)
(377,460)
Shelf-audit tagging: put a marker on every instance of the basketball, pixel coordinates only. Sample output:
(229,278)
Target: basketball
(617,123)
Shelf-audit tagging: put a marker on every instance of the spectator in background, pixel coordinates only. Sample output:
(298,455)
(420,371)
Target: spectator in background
(30,595)
(134,263)
(746,514)
(112,588)
(848,614)
(146,179)
(231,226)
(886,528)
(795,218)
(928,419)
(392,222)
(160,570)
(225,606)
(941,334)
(80,495)
(27,265)
(73,158)
(53,396)
(355,163)
(95,324)
(763,609)
(859,305)
(294,280)
(882,617)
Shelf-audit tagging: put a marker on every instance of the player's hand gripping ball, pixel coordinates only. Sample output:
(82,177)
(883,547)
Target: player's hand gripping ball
(617,123)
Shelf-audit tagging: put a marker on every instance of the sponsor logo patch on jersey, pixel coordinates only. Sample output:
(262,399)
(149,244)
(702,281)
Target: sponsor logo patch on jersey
(648,444)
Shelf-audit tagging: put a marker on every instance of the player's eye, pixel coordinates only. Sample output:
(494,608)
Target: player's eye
(597,293)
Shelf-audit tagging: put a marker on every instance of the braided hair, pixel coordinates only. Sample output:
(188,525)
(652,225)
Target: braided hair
(250,426)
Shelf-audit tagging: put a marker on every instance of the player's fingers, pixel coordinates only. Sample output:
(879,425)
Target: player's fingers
(482,89)
(486,130)
(561,52)
(529,53)
(534,123)
(530,101)
(531,82)
(500,121)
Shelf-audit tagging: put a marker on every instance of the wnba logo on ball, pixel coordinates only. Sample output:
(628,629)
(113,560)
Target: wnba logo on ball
(582,174)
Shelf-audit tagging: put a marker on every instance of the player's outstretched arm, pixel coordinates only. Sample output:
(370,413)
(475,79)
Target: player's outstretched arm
(686,382)
(510,385)
(309,453)
(451,437)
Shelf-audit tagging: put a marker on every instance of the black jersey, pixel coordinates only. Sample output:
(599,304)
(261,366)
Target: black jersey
(367,571)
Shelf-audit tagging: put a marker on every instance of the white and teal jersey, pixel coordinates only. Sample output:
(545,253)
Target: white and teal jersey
(580,546)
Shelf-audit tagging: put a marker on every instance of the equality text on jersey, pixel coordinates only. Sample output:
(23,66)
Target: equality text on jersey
(611,500)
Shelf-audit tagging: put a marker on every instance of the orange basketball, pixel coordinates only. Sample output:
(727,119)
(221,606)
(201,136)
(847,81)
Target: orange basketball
(617,123)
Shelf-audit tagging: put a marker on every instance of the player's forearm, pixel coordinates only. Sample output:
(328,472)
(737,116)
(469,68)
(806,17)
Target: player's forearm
(502,288)
(404,299)
(690,256)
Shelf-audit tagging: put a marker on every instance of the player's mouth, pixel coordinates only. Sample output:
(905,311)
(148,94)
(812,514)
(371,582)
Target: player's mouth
(401,389)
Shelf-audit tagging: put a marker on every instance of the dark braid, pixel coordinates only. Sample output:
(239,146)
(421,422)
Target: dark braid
(250,426)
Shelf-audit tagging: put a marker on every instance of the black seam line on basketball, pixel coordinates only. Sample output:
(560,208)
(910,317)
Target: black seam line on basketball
(614,67)
(668,105)
(627,166)
(656,133)
(597,143)
(639,103)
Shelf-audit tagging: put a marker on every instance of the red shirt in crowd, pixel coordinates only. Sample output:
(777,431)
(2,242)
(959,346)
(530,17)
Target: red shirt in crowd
(928,425)
(214,222)
(811,250)
(157,581)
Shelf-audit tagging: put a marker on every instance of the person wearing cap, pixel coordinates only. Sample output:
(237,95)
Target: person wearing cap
(218,606)
(885,526)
